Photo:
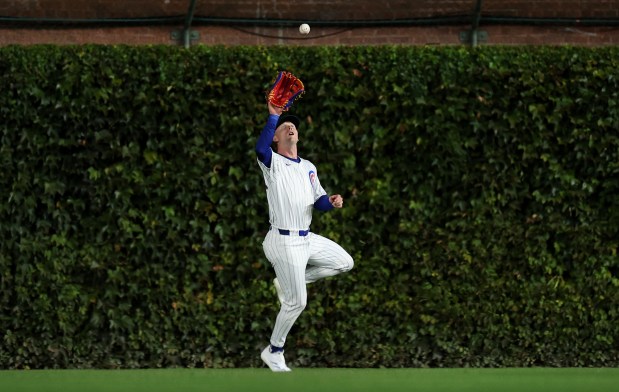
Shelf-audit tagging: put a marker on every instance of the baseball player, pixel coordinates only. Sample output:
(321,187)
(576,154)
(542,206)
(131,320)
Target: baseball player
(297,255)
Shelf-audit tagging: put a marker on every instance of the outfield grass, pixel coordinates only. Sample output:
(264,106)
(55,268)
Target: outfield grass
(315,380)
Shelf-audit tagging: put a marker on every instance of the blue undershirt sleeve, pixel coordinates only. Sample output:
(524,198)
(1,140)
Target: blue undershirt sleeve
(323,203)
(263,145)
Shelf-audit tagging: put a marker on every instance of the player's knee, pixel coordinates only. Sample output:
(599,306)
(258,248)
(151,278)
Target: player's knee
(348,263)
(297,306)
(301,304)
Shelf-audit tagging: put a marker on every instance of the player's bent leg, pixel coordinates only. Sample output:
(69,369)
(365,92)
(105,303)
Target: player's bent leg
(327,258)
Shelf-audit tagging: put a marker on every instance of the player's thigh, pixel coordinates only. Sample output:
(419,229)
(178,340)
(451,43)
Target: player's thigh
(288,256)
(327,253)
(284,249)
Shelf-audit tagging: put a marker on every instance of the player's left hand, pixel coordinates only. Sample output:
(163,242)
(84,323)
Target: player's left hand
(337,201)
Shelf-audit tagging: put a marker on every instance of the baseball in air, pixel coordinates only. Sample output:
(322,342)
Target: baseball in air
(304,29)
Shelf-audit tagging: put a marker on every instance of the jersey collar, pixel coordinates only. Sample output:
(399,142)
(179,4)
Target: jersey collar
(297,159)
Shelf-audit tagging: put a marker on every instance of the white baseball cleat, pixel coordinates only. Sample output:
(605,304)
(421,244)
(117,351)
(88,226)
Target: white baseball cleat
(275,361)
(278,288)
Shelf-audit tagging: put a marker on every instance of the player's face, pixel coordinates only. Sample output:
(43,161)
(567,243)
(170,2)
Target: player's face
(286,133)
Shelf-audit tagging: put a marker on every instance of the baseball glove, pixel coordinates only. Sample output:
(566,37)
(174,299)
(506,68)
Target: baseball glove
(285,90)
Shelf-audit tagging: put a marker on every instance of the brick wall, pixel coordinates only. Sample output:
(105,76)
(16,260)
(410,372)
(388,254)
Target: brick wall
(320,14)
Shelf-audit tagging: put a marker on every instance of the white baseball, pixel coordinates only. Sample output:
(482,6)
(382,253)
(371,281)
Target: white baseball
(304,29)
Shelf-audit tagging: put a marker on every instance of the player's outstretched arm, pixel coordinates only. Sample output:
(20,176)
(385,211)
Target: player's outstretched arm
(263,145)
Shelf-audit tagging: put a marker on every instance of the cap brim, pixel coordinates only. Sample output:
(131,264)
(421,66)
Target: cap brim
(288,118)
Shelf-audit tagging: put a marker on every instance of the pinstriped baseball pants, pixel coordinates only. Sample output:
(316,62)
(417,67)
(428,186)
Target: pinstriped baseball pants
(298,261)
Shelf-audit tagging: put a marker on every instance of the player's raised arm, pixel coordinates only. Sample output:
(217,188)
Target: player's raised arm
(263,145)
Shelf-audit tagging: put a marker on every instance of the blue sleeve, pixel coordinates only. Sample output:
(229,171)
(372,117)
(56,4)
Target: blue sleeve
(263,145)
(323,203)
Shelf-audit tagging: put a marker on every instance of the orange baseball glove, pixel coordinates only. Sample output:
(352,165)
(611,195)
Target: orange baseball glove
(285,90)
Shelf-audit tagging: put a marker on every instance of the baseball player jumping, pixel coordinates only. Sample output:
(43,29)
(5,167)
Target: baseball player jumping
(297,255)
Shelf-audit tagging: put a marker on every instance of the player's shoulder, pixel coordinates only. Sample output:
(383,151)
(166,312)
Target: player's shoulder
(306,162)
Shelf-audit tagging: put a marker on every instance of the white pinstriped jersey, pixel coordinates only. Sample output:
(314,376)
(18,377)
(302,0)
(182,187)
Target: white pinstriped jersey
(292,189)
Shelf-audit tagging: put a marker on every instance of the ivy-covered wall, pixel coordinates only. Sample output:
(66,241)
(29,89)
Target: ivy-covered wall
(481,206)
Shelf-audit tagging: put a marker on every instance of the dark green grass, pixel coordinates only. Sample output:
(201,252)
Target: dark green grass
(315,380)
